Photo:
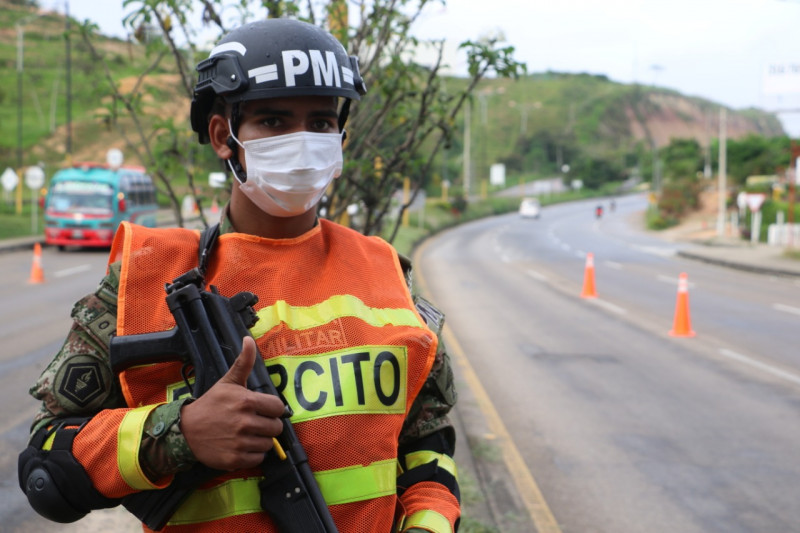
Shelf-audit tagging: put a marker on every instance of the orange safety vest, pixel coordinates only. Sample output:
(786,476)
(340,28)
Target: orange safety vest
(340,336)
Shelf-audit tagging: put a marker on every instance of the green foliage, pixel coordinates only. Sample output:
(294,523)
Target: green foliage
(756,155)
(413,117)
(679,197)
(656,220)
(596,171)
(683,159)
(769,215)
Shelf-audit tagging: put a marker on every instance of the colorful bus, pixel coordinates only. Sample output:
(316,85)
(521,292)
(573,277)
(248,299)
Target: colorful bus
(86,203)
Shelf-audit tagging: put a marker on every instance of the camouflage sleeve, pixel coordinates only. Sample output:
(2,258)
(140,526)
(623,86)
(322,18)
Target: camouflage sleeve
(428,413)
(79,381)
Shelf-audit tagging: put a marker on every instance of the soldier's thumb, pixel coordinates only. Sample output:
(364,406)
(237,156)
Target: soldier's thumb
(241,368)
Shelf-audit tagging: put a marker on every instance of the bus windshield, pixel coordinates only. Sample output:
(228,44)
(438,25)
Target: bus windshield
(82,196)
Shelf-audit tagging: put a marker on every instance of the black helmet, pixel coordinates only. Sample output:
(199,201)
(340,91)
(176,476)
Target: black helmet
(273,58)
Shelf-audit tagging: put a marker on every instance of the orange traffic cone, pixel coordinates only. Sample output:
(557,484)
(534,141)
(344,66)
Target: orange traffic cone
(589,290)
(37,274)
(214,206)
(682,326)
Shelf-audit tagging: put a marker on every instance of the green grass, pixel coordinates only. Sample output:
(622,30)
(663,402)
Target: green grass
(15,224)
(44,98)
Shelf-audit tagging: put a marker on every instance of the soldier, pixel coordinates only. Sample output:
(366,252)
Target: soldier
(357,355)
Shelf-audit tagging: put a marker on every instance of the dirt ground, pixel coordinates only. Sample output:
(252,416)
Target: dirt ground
(700,225)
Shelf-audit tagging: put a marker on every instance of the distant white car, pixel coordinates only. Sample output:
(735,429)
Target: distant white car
(530,208)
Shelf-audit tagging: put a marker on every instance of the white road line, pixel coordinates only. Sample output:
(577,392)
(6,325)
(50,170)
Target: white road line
(608,305)
(655,250)
(788,376)
(786,308)
(70,271)
(536,275)
(671,280)
(613,264)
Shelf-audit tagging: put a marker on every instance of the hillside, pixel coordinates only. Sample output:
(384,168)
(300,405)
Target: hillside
(534,124)
(42,133)
(541,121)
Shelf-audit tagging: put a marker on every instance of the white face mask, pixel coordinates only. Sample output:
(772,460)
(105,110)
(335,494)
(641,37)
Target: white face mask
(288,174)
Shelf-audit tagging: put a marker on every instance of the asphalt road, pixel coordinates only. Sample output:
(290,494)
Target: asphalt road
(606,422)
(620,426)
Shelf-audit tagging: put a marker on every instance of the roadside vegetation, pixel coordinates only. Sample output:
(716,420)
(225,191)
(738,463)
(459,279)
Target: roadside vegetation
(413,125)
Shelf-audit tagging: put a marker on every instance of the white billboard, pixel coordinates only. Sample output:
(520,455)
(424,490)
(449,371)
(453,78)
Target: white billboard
(781,77)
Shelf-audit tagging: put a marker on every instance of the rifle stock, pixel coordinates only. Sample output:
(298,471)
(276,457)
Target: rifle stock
(208,336)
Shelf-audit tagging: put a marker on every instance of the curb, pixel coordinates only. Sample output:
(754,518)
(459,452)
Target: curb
(12,245)
(758,269)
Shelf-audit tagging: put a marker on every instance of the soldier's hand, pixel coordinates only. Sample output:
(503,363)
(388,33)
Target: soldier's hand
(230,427)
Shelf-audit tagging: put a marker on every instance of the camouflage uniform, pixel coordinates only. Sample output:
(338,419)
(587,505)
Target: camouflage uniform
(79,381)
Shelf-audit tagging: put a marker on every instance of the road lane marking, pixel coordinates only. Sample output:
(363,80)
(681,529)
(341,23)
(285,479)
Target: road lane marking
(536,275)
(613,264)
(783,374)
(672,281)
(608,305)
(786,308)
(528,490)
(70,271)
(655,250)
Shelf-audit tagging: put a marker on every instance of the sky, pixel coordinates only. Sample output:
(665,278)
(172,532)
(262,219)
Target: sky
(739,53)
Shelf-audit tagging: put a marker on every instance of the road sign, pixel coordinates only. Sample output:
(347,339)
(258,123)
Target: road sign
(9,179)
(741,200)
(755,200)
(115,158)
(34,177)
(216,179)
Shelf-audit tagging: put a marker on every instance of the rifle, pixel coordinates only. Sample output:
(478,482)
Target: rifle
(208,337)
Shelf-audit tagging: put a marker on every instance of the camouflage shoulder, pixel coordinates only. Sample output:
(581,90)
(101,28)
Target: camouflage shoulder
(437,397)
(108,289)
(79,379)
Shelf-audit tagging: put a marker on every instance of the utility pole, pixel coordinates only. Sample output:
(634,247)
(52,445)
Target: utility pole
(467,135)
(69,83)
(721,179)
(20,55)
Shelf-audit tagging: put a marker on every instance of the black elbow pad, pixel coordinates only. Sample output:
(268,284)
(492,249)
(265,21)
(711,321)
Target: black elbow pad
(440,442)
(57,486)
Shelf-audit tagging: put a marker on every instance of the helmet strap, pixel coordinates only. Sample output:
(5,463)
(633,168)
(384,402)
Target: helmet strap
(343,114)
(233,160)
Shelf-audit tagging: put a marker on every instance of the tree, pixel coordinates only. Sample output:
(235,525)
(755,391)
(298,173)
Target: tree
(404,120)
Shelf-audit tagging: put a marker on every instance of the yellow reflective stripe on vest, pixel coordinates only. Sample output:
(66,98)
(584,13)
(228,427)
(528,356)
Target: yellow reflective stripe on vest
(129,437)
(357,483)
(359,380)
(338,306)
(429,521)
(419,458)
(241,496)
